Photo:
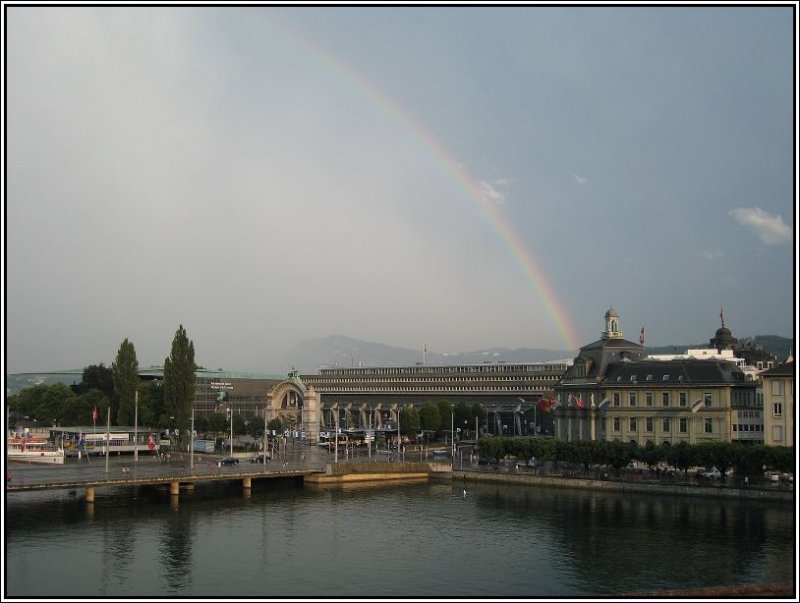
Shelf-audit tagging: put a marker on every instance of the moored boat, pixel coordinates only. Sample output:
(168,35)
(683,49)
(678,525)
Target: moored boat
(33,449)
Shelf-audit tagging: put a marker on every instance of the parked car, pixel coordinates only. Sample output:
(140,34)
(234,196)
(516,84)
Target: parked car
(712,473)
(228,460)
(260,458)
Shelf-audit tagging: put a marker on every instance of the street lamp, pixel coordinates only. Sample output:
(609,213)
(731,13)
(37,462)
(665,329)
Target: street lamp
(535,422)
(230,409)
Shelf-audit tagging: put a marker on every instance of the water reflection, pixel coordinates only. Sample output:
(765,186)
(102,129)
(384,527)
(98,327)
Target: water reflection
(399,539)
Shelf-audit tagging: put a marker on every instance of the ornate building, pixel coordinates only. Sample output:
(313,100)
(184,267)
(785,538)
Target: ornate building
(612,392)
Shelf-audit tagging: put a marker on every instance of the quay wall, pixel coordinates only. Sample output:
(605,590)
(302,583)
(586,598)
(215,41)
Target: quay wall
(678,489)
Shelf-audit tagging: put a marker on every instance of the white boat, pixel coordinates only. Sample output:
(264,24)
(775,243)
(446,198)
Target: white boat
(33,449)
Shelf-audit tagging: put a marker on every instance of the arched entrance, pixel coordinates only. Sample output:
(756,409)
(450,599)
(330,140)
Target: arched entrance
(296,405)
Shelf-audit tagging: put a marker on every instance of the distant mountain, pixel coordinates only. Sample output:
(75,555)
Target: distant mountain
(339,350)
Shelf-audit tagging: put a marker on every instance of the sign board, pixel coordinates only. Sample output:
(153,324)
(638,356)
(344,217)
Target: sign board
(220,385)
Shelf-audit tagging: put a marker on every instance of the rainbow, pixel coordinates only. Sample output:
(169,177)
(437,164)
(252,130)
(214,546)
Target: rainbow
(519,252)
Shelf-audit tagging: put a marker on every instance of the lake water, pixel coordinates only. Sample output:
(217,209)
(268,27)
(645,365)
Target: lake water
(397,539)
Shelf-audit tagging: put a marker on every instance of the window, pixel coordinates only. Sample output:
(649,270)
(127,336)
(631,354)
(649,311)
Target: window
(665,378)
(707,399)
(616,424)
(649,398)
(682,399)
(632,398)
(649,378)
(777,409)
(664,398)
(776,387)
(734,426)
(632,424)
(665,425)
(648,424)
(616,399)
(777,433)
(708,426)
(683,425)
(633,377)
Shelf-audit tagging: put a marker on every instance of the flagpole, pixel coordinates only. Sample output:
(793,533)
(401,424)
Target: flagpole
(136,428)
(108,434)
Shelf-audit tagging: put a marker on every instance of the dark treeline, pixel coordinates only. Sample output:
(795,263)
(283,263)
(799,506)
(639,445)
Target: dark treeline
(743,459)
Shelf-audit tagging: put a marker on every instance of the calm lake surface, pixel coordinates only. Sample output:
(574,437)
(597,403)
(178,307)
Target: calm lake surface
(398,539)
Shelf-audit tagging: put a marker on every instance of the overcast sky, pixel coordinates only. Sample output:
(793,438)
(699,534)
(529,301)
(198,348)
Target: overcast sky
(456,177)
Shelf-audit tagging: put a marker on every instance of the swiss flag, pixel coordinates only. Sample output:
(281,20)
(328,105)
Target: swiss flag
(151,444)
(580,403)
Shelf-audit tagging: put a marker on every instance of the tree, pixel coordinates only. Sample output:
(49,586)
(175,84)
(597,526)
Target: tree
(445,409)
(179,381)
(125,373)
(429,417)
(409,422)
(99,377)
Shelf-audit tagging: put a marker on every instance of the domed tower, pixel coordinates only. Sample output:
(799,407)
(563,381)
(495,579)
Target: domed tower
(612,325)
(723,339)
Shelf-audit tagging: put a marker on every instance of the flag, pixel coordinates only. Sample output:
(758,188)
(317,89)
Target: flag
(641,336)
(151,444)
(580,403)
(94,414)
(545,404)
(697,405)
(721,319)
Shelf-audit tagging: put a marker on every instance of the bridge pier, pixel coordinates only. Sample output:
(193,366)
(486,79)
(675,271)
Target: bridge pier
(174,488)
(89,494)
(247,483)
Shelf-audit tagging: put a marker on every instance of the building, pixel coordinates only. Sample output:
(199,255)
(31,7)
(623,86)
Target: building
(371,397)
(778,385)
(613,392)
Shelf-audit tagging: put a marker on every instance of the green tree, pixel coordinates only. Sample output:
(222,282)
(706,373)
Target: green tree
(409,422)
(125,372)
(445,410)
(429,417)
(99,377)
(51,406)
(179,381)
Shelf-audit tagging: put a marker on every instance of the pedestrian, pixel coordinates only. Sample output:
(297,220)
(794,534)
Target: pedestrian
(746,480)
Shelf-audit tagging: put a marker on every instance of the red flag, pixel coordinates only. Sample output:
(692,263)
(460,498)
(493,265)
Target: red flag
(580,403)
(94,414)
(151,444)
(641,337)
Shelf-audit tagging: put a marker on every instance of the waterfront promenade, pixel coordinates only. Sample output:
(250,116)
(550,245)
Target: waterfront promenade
(316,466)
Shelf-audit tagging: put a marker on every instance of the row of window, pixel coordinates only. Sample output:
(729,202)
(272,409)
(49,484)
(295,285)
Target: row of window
(666,399)
(324,388)
(649,423)
(748,427)
(422,379)
(557,369)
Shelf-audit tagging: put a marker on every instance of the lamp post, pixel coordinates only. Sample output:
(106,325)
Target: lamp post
(191,443)
(265,438)
(336,436)
(230,409)
(136,427)
(452,437)
(399,439)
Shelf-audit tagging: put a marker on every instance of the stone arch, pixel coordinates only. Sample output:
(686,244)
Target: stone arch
(291,398)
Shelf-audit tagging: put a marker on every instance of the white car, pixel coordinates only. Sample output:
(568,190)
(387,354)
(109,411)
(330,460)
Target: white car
(712,473)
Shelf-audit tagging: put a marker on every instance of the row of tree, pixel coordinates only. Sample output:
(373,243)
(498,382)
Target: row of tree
(165,404)
(743,459)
